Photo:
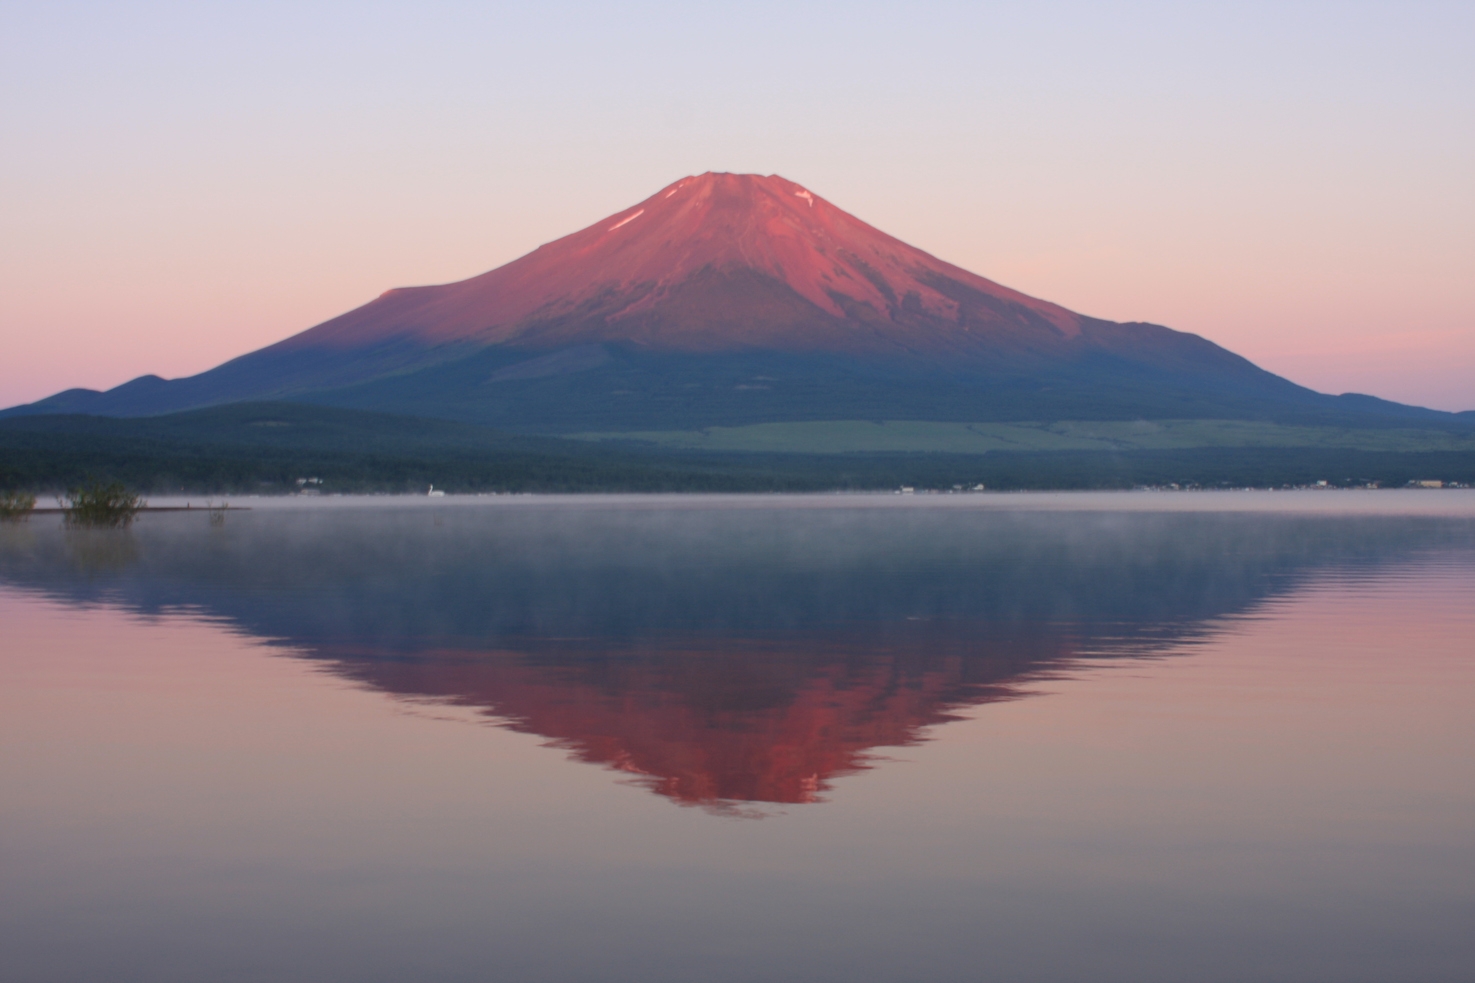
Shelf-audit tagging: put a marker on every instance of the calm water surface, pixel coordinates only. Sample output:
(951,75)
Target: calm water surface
(1034,738)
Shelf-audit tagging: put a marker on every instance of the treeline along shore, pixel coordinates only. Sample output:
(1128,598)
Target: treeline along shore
(279,448)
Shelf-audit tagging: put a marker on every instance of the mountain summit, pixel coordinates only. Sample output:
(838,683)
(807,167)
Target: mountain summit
(728,299)
(717,262)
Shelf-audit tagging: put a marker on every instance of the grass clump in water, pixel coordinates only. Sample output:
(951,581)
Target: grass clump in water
(15,506)
(109,506)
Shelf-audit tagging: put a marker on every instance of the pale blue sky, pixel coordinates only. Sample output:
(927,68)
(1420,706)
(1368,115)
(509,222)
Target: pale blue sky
(186,182)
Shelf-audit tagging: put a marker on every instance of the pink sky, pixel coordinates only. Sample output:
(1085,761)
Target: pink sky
(185,185)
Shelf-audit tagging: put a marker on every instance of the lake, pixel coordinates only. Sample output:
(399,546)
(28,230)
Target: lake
(1118,737)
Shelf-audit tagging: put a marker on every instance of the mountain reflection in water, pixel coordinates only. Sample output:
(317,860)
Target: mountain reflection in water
(713,721)
(716,655)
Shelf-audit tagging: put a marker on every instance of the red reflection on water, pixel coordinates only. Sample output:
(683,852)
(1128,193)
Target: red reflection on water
(735,721)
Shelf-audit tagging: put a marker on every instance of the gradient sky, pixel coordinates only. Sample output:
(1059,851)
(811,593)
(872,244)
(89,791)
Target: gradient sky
(183,183)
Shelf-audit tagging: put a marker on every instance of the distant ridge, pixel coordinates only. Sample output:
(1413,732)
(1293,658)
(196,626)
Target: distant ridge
(730,299)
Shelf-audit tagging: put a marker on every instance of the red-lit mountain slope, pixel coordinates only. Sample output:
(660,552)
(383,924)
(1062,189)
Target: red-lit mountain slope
(718,262)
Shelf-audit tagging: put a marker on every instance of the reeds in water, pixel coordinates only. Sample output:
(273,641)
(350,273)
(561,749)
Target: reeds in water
(98,505)
(15,506)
